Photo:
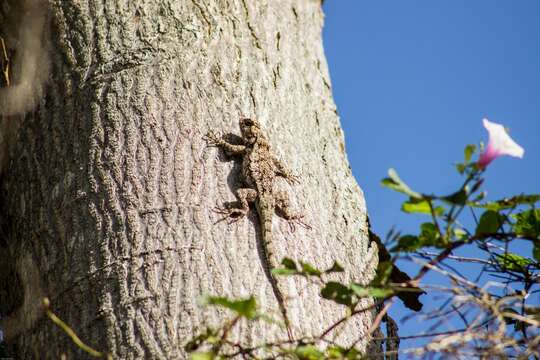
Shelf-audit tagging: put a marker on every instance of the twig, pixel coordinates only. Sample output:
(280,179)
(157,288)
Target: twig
(69,331)
(379,317)
(458,258)
(343,319)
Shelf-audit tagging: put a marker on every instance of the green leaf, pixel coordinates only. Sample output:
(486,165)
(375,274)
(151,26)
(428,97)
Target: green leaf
(337,292)
(408,243)
(509,203)
(384,269)
(536,252)
(308,352)
(354,354)
(429,236)
(284,272)
(289,264)
(468,152)
(420,206)
(335,352)
(522,200)
(310,270)
(459,234)
(395,183)
(338,352)
(513,262)
(490,222)
(368,291)
(336,267)
(202,356)
(290,268)
(527,223)
(491,205)
(457,198)
(246,308)
(479,197)
(460,167)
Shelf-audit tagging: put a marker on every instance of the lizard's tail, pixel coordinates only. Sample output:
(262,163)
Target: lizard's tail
(270,252)
(270,259)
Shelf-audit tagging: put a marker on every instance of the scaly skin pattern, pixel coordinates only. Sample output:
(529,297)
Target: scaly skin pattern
(259,171)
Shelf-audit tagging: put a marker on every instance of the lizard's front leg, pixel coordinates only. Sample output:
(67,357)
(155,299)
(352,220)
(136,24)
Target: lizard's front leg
(283,209)
(216,140)
(245,196)
(285,173)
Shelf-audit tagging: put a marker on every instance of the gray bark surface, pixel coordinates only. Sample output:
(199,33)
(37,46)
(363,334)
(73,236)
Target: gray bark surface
(110,186)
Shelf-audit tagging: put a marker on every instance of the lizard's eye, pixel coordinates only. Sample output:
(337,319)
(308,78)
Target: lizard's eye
(247,122)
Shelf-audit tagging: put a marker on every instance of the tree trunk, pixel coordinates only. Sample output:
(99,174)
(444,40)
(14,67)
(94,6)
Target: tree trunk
(110,185)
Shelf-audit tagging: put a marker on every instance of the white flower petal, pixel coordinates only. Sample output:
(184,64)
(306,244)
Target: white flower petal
(501,142)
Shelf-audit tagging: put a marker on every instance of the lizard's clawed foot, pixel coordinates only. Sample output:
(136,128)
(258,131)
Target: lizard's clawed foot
(293,222)
(293,179)
(232,215)
(212,138)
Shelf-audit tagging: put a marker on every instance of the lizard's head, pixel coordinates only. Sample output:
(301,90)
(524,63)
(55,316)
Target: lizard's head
(251,129)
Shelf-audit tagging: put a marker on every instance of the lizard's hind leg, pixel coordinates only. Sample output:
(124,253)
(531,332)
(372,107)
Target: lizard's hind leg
(283,209)
(245,196)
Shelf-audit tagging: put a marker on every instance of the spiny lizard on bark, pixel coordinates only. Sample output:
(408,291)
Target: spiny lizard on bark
(259,171)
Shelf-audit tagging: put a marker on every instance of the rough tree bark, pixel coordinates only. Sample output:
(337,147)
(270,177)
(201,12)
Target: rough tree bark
(109,188)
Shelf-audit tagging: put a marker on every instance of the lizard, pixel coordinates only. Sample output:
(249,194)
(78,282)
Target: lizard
(259,171)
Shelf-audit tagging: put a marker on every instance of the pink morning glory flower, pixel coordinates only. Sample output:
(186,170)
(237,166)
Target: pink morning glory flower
(500,143)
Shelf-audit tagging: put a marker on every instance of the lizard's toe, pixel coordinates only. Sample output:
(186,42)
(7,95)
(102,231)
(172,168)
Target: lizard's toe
(298,221)
(232,215)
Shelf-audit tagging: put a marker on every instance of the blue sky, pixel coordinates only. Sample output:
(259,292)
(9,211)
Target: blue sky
(412,81)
